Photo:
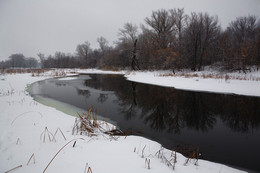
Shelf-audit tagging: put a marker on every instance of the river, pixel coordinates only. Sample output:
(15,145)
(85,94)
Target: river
(225,128)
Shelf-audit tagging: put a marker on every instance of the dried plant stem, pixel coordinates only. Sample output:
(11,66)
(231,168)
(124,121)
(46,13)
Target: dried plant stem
(143,152)
(85,167)
(58,129)
(89,170)
(30,159)
(46,131)
(147,162)
(175,160)
(24,114)
(197,156)
(14,168)
(18,141)
(60,151)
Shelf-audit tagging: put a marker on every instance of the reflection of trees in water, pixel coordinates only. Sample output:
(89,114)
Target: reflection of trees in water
(196,111)
(169,109)
(159,108)
(85,93)
(127,100)
(242,115)
(102,98)
(166,108)
(60,84)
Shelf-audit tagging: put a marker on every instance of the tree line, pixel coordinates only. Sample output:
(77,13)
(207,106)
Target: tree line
(19,60)
(171,39)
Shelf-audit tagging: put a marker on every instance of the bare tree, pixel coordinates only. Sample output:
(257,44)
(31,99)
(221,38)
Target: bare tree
(103,43)
(180,19)
(128,33)
(128,39)
(17,60)
(202,31)
(163,25)
(83,51)
(243,35)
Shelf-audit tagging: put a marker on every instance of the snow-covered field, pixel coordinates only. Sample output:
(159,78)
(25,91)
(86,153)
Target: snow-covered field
(232,83)
(23,123)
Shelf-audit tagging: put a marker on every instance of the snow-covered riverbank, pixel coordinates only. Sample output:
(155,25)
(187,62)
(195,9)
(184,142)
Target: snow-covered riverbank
(205,81)
(23,121)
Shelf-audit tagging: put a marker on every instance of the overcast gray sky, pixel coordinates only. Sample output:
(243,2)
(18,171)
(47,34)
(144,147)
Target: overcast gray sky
(47,26)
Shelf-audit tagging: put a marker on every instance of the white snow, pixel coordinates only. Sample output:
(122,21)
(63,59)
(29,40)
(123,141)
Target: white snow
(67,78)
(249,86)
(23,121)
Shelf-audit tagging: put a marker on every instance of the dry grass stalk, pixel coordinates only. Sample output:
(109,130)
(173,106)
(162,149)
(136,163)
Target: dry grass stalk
(74,144)
(193,155)
(147,163)
(34,71)
(24,114)
(143,151)
(31,159)
(59,73)
(18,141)
(159,153)
(87,123)
(86,166)
(165,160)
(187,160)
(14,168)
(89,170)
(47,132)
(60,151)
(175,160)
(197,157)
(226,77)
(75,127)
(58,129)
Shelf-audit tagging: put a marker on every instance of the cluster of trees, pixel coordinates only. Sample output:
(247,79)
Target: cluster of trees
(59,60)
(19,60)
(171,39)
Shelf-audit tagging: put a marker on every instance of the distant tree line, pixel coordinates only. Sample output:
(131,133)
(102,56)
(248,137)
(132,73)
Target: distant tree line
(171,39)
(20,61)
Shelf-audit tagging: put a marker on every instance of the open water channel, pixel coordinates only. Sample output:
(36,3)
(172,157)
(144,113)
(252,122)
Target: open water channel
(224,127)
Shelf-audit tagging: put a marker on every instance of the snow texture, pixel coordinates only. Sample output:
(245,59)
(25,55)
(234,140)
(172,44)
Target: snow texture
(23,122)
(236,83)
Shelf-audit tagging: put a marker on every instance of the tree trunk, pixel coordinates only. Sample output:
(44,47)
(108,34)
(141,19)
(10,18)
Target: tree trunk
(135,65)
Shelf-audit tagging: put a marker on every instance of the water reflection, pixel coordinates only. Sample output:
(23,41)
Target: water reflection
(224,127)
(168,109)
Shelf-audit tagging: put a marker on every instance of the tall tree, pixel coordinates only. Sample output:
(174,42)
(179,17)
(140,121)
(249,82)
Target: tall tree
(180,21)
(201,33)
(243,35)
(103,43)
(128,39)
(83,51)
(17,60)
(163,25)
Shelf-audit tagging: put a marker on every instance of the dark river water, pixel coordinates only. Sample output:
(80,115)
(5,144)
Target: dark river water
(224,127)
